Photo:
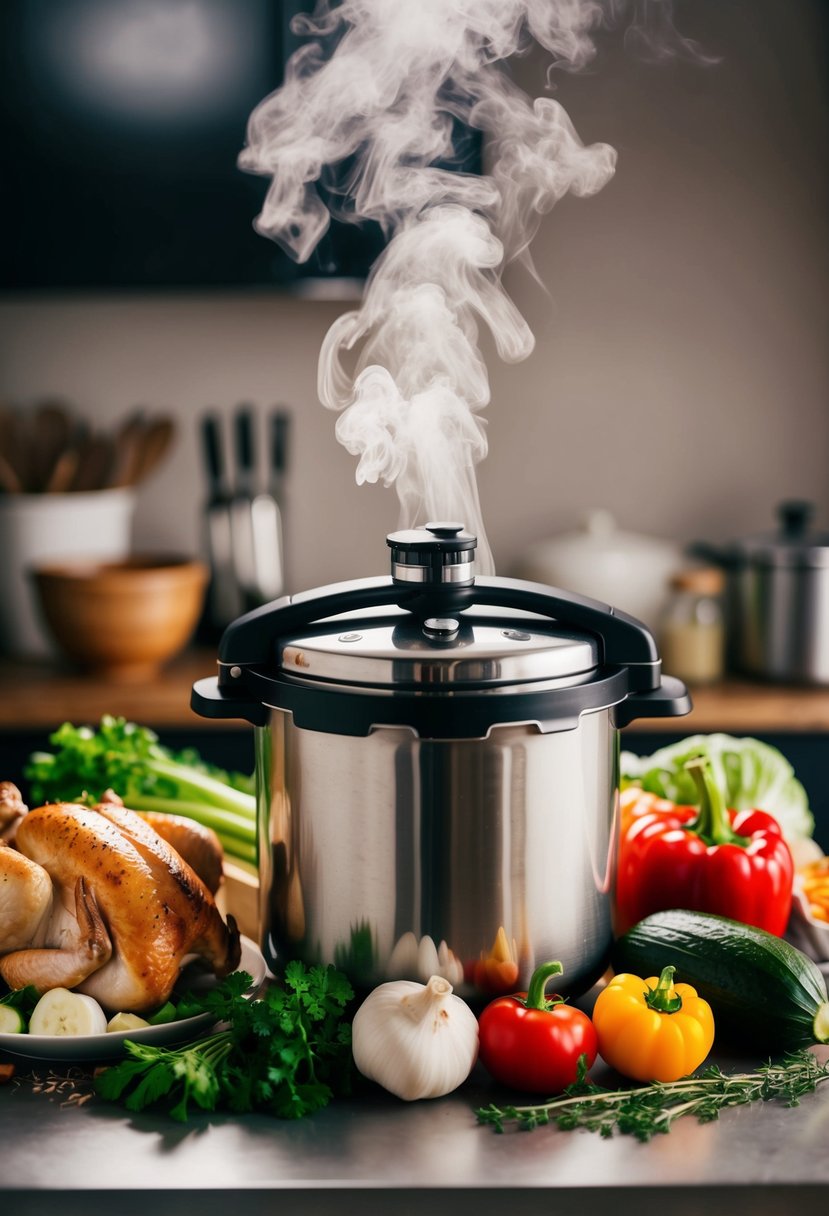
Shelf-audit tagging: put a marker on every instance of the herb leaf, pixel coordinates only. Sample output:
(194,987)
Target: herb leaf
(650,1109)
(288,1052)
(128,758)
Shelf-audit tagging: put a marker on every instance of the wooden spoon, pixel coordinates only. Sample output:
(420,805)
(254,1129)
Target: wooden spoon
(14,446)
(63,473)
(156,441)
(95,459)
(7,427)
(51,434)
(9,481)
(129,445)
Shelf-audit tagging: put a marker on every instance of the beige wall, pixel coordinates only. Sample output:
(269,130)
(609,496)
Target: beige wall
(681,372)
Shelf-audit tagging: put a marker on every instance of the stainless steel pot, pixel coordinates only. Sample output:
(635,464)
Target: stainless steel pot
(437,768)
(777,600)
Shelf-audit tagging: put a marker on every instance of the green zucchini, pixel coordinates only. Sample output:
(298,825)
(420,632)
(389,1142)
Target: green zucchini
(11,1020)
(762,990)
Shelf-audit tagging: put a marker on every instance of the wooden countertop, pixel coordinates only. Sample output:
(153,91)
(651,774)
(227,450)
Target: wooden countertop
(39,696)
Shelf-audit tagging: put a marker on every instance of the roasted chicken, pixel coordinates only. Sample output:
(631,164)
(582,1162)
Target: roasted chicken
(12,809)
(95,899)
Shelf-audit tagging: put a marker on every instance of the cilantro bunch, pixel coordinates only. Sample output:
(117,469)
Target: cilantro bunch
(286,1054)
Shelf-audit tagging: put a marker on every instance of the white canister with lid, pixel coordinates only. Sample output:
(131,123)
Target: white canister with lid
(629,570)
(38,528)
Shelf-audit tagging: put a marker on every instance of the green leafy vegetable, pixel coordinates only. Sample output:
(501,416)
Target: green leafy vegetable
(287,1053)
(128,759)
(167,1013)
(650,1109)
(750,773)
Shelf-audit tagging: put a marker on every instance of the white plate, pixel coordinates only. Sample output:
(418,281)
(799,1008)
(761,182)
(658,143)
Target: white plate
(93,1047)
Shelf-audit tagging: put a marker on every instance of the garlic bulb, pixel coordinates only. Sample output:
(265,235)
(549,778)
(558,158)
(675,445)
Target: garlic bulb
(416,1040)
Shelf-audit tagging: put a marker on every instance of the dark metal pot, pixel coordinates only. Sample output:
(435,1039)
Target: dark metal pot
(437,767)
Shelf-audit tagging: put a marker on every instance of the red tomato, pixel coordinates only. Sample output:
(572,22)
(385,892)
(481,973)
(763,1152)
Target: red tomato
(534,1043)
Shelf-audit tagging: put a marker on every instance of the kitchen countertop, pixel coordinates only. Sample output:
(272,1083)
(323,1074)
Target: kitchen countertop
(46,694)
(381,1156)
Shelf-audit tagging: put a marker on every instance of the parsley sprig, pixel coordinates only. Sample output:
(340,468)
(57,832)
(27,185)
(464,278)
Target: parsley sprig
(287,1053)
(650,1109)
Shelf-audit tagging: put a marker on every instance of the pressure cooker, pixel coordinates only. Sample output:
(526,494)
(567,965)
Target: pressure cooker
(437,767)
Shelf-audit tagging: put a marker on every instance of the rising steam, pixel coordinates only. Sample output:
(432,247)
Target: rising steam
(382,107)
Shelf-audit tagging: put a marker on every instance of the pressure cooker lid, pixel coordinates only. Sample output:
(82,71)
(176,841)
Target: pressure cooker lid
(427,647)
(793,545)
(472,649)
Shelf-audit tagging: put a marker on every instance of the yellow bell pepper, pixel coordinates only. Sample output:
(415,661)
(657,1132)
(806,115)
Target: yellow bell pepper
(652,1030)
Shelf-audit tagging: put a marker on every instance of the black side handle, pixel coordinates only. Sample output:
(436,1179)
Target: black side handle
(670,700)
(210,700)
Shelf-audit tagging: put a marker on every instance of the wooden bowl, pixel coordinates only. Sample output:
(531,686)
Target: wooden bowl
(122,619)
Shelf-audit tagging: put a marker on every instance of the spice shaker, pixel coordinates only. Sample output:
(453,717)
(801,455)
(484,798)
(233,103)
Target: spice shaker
(692,628)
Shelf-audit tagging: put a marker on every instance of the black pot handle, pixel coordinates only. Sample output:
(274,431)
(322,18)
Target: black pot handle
(670,700)
(250,642)
(626,642)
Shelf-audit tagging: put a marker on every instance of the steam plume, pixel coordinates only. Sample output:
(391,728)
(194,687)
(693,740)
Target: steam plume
(381,107)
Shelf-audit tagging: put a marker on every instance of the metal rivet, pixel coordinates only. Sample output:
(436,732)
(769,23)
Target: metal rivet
(236,672)
(515,635)
(350,637)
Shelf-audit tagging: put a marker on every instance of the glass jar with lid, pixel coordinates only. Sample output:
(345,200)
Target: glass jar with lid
(692,628)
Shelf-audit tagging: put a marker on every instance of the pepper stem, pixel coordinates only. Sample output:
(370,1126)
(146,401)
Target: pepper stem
(712,823)
(657,998)
(535,998)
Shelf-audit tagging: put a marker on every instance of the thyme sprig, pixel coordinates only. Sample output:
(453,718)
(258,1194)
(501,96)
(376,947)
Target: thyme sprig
(651,1109)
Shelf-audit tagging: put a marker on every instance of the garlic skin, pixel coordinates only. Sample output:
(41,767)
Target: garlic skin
(416,1040)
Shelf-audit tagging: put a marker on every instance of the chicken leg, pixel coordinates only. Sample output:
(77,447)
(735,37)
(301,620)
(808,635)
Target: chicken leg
(155,908)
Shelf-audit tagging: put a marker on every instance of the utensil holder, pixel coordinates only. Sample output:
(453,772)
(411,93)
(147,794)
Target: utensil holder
(38,528)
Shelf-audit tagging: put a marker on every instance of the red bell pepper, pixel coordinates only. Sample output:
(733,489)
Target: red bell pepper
(731,863)
(533,1042)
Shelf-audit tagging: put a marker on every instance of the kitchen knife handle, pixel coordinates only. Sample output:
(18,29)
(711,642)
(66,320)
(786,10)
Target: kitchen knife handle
(244,438)
(212,450)
(280,425)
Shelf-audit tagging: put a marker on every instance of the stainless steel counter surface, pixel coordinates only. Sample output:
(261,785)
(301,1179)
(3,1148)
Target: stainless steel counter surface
(374,1154)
